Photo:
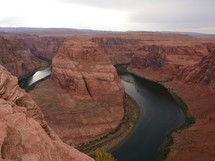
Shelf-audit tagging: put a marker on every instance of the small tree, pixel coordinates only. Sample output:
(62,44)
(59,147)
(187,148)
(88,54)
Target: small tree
(104,156)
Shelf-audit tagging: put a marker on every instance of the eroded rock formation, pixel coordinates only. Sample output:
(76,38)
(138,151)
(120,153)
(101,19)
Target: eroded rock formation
(24,133)
(16,57)
(120,47)
(94,91)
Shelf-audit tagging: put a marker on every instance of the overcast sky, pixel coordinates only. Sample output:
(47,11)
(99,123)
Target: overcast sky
(119,15)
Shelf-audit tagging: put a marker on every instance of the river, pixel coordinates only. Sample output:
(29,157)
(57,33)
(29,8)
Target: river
(158,115)
(30,81)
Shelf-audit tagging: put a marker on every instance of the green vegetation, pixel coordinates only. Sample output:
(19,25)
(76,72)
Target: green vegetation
(121,68)
(103,156)
(118,134)
(132,111)
(164,81)
(189,120)
(164,148)
(127,80)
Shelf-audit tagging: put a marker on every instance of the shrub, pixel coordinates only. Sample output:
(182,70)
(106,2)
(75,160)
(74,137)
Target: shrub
(103,156)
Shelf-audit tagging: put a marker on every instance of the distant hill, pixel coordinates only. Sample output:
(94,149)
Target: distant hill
(27,31)
(194,34)
(50,31)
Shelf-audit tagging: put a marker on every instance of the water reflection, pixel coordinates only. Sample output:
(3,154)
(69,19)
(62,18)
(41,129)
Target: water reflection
(28,82)
(39,75)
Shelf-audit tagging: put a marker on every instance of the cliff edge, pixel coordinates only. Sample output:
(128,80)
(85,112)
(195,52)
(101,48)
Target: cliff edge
(24,133)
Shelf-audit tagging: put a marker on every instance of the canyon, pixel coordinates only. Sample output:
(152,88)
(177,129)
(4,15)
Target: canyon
(185,65)
(188,70)
(83,99)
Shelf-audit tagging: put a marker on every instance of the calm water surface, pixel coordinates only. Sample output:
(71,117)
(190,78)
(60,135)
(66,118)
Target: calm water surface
(159,114)
(28,82)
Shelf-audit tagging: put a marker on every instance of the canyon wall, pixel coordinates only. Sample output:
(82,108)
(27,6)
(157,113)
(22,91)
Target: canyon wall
(169,61)
(93,91)
(16,57)
(44,47)
(119,49)
(24,133)
(188,69)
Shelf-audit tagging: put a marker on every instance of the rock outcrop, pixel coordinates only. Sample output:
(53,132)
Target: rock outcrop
(93,91)
(16,57)
(24,133)
(172,62)
(120,47)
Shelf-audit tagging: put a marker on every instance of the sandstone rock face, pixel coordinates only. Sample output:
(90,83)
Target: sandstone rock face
(24,133)
(119,49)
(44,46)
(16,57)
(82,70)
(185,63)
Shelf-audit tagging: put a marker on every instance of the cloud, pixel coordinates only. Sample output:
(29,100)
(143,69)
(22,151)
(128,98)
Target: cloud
(142,4)
(109,14)
(175,15)
(110,4)
(159,14)
(11,21)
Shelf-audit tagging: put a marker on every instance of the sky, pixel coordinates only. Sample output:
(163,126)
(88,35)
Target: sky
(116,15)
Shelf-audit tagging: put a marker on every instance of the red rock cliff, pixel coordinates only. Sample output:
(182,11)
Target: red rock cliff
(192,63)
(119,49)
(24,133)
(86,74)
(44,46)
(16,57)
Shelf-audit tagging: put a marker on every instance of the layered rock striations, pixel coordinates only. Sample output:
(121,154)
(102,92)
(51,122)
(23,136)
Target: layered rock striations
(119,49)
(16,57)
(44,47)
(24,133)
(188,69)
(171,62)
(94,91)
